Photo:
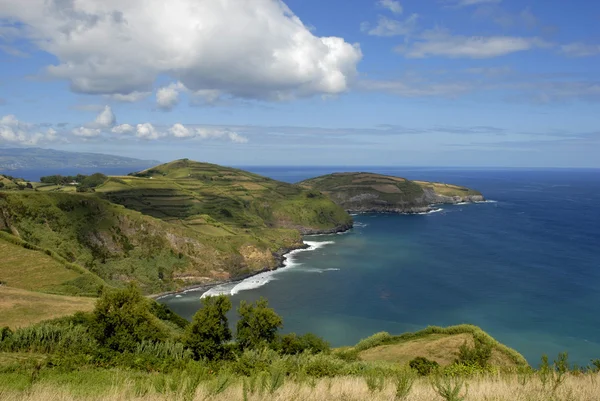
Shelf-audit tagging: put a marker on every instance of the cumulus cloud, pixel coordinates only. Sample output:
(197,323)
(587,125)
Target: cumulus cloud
(442,43)
(16,132)
(180,131)
(106,119)
(168,97)
(123,129)
(391,27)
(248,48)
(147,131)
(393,6)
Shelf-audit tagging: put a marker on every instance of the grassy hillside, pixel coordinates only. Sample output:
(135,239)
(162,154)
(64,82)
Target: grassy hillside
(21,308)
(366,192)
(197,194)
(37,270)
(435,343)
(178,224)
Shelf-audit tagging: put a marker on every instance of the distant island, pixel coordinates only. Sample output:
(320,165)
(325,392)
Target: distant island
(376,193)
(38,159)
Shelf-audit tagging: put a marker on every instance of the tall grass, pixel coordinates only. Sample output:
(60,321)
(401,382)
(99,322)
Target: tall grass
(122,385)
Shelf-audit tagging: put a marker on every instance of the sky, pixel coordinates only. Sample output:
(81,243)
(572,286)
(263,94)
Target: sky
(477,83)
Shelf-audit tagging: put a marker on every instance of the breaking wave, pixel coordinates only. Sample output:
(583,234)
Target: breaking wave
(261,279)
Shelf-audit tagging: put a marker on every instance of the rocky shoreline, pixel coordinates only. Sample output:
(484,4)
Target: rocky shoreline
(280,257)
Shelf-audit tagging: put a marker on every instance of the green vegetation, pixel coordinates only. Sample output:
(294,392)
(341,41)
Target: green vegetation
(367,192)
(83,183)
(184,223)
(130,348)
(19,308)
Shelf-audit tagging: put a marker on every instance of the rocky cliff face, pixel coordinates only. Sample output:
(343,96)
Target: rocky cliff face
(367,192)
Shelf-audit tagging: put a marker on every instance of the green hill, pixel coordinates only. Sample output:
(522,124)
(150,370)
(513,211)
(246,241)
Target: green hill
(178,224)
(368,192)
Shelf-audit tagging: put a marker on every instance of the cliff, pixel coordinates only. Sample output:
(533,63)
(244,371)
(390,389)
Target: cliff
(368,192)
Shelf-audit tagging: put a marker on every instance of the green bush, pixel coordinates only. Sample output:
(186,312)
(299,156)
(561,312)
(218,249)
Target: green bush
(478,355)
(258,324)
(122,319)
(209,332)
(423,366)
(292,344)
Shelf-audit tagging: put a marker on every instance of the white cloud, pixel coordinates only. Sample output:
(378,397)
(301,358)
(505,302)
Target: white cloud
(147,131)
(14,131)
(393,6)
(207,133)
(579,49)
(391,27)
(123,129)
(441,43)
(86,132)
(180,131)
(106,119)
(247,48)
(168,97)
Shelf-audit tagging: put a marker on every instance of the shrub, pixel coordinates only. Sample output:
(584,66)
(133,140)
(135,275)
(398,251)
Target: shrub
(478,355)
(258,324)
(423,366)
(322,365)
(122,319)
(292,344)
(449,388)
(209,331)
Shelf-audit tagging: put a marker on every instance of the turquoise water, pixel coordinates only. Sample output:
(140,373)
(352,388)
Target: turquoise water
(525,268)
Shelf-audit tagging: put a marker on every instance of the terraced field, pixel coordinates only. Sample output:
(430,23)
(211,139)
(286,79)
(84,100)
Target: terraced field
(368,192)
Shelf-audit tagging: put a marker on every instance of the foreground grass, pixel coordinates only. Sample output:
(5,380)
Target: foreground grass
(126,385)
(21,308)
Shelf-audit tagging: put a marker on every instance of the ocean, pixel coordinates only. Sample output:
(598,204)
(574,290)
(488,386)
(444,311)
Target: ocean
(525,267)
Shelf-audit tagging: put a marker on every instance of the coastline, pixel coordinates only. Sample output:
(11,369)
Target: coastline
(280,258)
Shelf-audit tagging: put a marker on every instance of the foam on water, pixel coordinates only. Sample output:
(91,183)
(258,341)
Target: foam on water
(263,278)
(432,211)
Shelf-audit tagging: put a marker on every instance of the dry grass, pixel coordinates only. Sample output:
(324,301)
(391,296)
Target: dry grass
(21,308)
(490,388)
(31,270)
(437,347)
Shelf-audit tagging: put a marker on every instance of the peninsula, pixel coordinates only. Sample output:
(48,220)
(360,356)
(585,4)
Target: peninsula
(376,193)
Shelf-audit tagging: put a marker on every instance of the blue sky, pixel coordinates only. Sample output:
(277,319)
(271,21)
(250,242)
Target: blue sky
(306,82)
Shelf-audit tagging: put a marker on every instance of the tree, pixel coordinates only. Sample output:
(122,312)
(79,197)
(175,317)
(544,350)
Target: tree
(122,319)
(209,332)
(258,324)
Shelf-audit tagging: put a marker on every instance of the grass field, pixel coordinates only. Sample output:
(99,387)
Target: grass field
(31,270)
(21,308)
(122,385)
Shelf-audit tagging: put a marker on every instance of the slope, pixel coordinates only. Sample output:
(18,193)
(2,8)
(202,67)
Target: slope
(184,223)
(368,192)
